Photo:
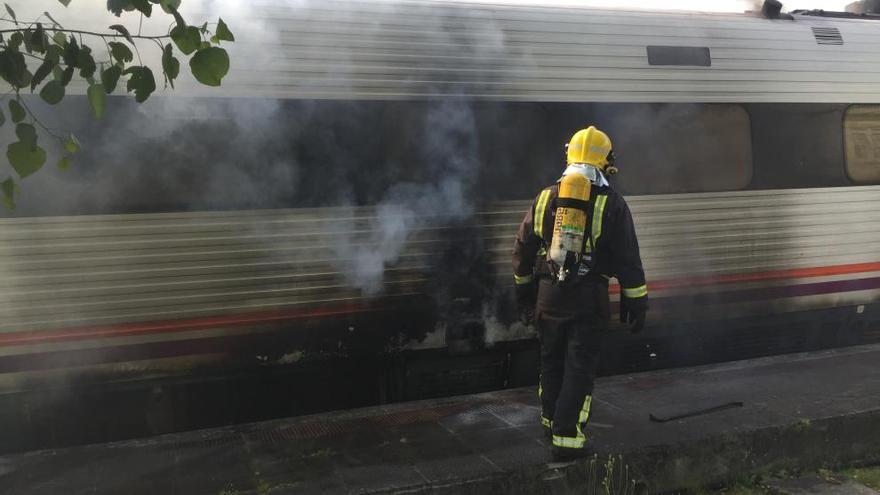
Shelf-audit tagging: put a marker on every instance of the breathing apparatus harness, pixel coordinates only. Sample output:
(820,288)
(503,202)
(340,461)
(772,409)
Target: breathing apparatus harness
(570,254)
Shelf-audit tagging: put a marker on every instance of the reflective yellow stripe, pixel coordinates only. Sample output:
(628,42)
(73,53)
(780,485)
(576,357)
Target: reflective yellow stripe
(598,213)
(640,291)
(580,439)
(545,422)
(525,279)
(576,442)
(539,212)
(585,410)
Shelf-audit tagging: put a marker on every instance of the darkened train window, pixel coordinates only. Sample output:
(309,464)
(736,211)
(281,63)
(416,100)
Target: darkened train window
(672,148)
(861,131)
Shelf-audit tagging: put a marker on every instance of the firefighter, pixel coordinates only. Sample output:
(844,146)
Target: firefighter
(576,236)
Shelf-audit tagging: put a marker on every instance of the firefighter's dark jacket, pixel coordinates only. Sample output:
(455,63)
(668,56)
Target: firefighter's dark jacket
(615,247)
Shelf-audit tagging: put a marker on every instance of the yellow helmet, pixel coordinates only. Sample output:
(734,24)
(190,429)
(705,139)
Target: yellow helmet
(590,146)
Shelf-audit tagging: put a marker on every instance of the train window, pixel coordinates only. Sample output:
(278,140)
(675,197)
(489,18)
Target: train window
(678,148)
(679,55)
(861,131)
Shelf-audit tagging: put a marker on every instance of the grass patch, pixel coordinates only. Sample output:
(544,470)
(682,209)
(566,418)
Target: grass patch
(744,490)
(868,476)
(744,486)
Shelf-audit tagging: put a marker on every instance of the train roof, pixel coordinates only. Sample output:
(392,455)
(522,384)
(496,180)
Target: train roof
(415,49)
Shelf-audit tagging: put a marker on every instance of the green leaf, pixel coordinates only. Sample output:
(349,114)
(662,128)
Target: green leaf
(16,111)
(209,65)
(141,82)
(10,189)
(65,2)
(37,38)
(97,98)
(64,163)
(26,134)
(53,54)
(187,38)
(13,68)
(143,6)
(71,144)
(42,71)
(120,52)
(60,38)
(117,6)
(119,28)
(25,159)
(11,13)
(66,76)
(169,5)
(204,44)
(178,19)
(53,92)
(71,52)
(57,73)
(15,40)
(170,64)
(109,78)
(86,63)
(223,33)
(27,40)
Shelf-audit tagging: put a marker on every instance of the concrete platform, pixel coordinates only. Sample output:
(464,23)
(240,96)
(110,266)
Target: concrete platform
(800,411)
(816,486)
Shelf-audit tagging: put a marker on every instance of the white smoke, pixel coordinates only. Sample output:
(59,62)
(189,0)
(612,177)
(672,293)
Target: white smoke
(448,165)
(443,167)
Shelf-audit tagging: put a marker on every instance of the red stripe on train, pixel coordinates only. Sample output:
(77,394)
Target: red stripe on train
(129,329)
(821,271)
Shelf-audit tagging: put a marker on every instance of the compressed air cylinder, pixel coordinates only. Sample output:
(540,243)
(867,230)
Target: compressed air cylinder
(570,225)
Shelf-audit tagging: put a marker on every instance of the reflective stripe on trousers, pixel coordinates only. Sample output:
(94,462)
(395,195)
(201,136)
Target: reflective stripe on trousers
(580,439)
(575,442)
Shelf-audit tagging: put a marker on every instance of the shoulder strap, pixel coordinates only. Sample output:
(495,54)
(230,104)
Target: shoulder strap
(540,210)
(598,202)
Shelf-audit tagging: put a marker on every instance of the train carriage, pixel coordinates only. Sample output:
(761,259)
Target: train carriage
(334,227)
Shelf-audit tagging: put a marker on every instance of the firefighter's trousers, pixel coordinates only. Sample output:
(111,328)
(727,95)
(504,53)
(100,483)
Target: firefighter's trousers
(571,322)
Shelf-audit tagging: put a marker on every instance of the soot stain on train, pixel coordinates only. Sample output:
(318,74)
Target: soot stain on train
(430,173)
(184,154)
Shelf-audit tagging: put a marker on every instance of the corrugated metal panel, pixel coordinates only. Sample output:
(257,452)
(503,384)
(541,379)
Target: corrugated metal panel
(74,271)
(412,49)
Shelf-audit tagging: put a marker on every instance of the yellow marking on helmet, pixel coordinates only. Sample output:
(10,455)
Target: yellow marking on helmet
(539,212)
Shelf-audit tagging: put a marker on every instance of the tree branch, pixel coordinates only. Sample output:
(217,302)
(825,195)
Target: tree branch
(92,33)
(36,120)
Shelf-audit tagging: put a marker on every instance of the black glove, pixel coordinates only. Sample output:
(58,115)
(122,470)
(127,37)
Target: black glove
(632,312)
(526,297)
